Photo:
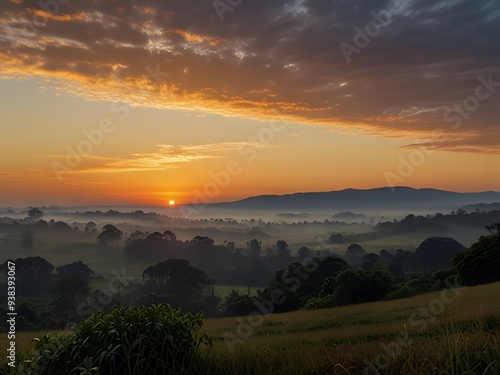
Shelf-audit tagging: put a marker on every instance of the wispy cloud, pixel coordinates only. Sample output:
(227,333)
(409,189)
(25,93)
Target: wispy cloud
(165,157)
(179,55)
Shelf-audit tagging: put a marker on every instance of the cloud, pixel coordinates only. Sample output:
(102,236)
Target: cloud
(166,157)
(271,60)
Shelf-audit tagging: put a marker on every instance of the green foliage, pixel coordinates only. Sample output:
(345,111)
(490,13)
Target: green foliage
(238,305)
(414,287)
(320,302)
(481,263)
(353,286)
(288,297)
(145,340)
(177,276)
(301,281)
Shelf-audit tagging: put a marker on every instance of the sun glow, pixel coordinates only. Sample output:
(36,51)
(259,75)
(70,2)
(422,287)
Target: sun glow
(171,203)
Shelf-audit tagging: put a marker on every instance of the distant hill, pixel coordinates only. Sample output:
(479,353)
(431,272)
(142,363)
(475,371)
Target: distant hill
(384,198)
(349,216)
(304,215)
(486,207)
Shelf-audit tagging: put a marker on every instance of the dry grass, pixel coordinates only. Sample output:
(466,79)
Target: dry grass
(465,337)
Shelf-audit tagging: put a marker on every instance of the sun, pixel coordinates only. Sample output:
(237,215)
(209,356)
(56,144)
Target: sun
(171,203)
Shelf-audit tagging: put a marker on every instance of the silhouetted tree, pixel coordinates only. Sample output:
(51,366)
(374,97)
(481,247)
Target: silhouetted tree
(31,270)
(90,227)
(35,213)
(481,263)
(355,286)
(135,235)
(494,229)
(109,235)
(169,236)
(282,249)
(336,238)
(74,279)
(72,285)
(304,252)
(254,246)
(434,253)
(230,246)
(177,276)
(78,268)
(238,305)
(372,257)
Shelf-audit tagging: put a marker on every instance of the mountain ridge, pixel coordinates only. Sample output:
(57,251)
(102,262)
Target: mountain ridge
(400,196)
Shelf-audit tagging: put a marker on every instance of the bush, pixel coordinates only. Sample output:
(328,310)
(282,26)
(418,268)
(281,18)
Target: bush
(320,303)
(144,340)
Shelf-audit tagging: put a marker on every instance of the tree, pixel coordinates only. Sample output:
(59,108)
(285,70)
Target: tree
(481,263)
(74,279)
(372,257)
(35,213)
(237,305)
(72,285)
(134,236)
(493,227)
(32,269)
(354,255)
(336,238)
(90,227)
(169,236)
(79,269)
(396,270)
(304,252)
(434,253)
(109,235)
(356,251)
(177,276)
(282,248)
(255,247)
(355,286)
(302,281)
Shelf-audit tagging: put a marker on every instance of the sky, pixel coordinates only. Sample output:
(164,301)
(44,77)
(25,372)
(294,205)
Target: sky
(144,102)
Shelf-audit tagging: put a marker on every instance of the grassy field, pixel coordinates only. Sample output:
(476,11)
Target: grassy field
(452,333)
(225,290)
(444,338)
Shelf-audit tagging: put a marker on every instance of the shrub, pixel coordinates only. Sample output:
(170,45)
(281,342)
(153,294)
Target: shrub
(144,340)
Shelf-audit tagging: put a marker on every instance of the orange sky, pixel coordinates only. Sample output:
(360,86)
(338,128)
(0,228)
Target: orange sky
(139,106)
